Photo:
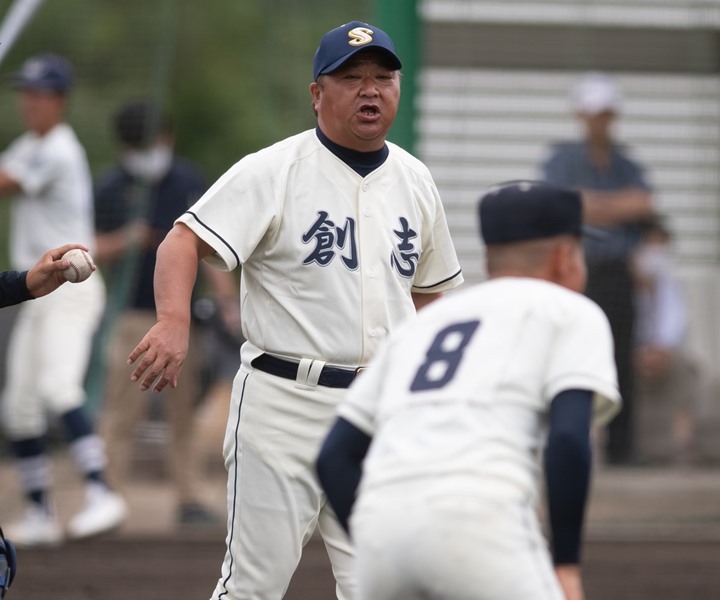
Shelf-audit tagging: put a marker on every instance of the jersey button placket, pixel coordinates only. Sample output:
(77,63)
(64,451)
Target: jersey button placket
(372,303)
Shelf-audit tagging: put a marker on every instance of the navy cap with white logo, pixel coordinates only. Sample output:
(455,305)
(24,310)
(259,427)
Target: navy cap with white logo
(44,72)
(529,210)
(339,44)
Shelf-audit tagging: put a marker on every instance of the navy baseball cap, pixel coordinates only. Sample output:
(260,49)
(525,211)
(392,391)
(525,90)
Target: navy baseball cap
(44,72)
(529,210)
(339,44)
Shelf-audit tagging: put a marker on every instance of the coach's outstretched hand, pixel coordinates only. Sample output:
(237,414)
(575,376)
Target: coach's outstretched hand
(163,351)
(47,274)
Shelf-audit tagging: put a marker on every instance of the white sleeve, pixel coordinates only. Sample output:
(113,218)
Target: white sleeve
(33,171)
(583,358)
(438,269)
(234,214)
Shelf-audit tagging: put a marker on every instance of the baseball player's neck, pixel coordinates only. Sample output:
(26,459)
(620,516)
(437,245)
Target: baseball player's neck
(362,163)
(557,260)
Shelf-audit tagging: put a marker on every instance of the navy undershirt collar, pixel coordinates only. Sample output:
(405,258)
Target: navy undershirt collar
(363,163)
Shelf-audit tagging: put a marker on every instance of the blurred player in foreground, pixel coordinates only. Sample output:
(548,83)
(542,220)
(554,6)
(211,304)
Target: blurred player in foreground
(455,408)
(341,236)
(43,277)
(46,176)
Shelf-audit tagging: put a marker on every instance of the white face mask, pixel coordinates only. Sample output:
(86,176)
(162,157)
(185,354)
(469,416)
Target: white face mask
(653,261)
(150,164)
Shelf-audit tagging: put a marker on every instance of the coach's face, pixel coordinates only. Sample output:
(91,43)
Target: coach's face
(357,103)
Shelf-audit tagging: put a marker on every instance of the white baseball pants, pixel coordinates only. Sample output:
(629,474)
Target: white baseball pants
(48,355)
(275,502)
(413,546)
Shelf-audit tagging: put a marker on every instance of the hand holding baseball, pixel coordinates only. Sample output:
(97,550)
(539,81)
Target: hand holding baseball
(48,273)
(80,267)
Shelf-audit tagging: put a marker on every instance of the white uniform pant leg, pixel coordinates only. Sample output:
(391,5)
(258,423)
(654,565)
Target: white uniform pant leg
(340,552)
(48,355)
(274,499)
(450,550)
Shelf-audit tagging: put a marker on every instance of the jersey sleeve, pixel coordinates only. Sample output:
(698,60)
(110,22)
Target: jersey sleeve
(234,214)
(582,358)
(438,269)
(32,171)
(13,288)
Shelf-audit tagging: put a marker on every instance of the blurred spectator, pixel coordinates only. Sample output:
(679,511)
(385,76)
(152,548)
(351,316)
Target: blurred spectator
(136,202)
(616,197)
(46,174)
(666,379)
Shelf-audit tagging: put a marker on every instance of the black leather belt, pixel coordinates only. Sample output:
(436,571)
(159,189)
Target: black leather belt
(329,376)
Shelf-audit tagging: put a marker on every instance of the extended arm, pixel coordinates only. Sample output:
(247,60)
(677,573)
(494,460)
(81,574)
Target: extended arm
(113,245)
(8,185)
(567,474)
(605,209)
(339,467)
(44,276)
(164,347)
(421,300)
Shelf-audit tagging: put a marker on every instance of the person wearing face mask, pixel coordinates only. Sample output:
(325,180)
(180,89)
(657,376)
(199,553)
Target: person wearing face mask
(665,376)
(136,202)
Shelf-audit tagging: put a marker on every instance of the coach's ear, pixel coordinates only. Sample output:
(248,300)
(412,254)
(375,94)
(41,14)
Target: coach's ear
(315,89)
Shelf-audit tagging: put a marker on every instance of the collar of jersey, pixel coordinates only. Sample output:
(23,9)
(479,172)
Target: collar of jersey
(363,163)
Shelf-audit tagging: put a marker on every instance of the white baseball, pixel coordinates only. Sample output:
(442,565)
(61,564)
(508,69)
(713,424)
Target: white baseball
(81,265)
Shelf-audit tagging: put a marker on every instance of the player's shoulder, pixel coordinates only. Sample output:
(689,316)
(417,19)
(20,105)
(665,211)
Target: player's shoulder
(565,149)
(283,152)
(185,169)
(62,134)
(539,296)
(408,161)
(111,177)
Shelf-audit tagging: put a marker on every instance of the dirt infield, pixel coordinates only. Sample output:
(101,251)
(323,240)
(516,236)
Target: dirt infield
(651,535)
(121,568)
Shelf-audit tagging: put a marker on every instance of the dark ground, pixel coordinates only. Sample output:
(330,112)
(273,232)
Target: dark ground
(186,567)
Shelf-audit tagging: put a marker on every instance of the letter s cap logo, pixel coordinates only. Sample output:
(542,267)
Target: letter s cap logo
(359,36)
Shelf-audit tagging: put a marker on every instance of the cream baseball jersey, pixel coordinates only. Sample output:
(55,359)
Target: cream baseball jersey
(55,206)
(463,393)
(329,258)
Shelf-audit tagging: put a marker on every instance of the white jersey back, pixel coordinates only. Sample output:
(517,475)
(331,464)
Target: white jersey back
(461,395)
(55,206)
(329,258)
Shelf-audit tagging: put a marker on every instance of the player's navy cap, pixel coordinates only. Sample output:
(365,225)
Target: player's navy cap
(44,72)
(529,210)
(339,44)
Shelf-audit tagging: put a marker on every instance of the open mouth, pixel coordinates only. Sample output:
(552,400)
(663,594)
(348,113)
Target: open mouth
(369,110)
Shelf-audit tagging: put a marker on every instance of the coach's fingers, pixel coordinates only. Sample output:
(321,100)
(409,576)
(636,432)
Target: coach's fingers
(139,350)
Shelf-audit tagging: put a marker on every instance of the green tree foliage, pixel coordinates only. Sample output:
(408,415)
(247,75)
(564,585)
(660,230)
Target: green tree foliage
(233,74)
